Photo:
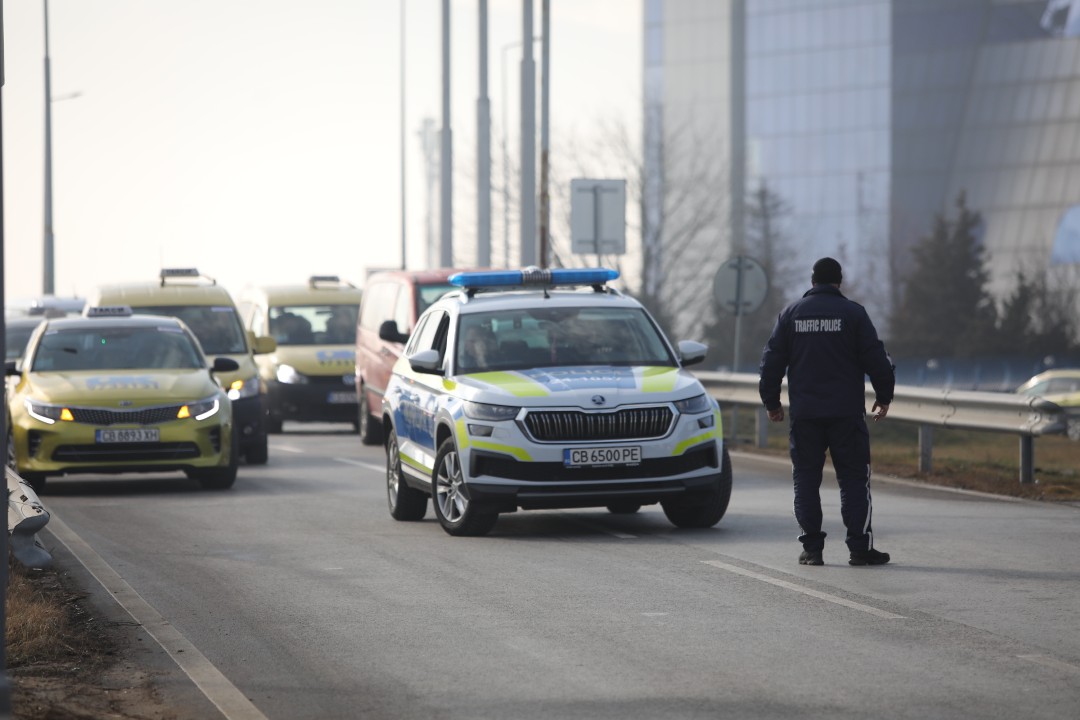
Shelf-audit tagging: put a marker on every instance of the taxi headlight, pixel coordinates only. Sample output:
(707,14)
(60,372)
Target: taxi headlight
(243,388)
(289,375)
(200,410)
(491,413)
(693,406)
(47,414)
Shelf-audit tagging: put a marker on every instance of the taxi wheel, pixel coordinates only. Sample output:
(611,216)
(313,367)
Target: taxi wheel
(405,503)
(257,453)
(624,507)
(221,478)
(274,426)
(705,510)
(368,426)
(457,514)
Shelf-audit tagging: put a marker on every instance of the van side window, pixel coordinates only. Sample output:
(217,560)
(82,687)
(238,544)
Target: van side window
(377,305)
(403,310)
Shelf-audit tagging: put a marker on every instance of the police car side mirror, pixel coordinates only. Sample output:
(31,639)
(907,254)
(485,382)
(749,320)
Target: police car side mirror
(691,353)
(389,332)
(223,364)
(11,367)
(426,361)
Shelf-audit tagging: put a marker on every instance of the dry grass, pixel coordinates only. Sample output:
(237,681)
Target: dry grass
(38,626)
(983,461)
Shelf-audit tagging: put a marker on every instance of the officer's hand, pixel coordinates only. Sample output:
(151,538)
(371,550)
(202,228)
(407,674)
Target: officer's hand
(776,415)
(880,411)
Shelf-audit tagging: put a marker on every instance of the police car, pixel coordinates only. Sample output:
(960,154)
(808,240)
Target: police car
(549,389)
(116,392)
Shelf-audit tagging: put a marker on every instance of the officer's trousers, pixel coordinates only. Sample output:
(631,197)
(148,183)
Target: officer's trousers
(848,442)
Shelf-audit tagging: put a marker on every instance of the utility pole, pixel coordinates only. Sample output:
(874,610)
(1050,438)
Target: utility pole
(528,139)
(401,139)
(483,150)
(545,198)
(446,215)
(47,267)
(5,686)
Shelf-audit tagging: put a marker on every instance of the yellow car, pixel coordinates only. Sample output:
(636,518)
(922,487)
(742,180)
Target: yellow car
(114,392)
(1061,387)
(311,376)
(208,309)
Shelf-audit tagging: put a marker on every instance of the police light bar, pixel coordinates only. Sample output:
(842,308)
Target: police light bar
(533,277)
(110,311)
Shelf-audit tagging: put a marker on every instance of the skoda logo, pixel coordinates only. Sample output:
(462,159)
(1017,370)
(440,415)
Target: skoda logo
(598,400)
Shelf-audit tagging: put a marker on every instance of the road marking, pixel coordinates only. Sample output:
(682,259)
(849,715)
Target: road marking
(805,590)
(361,463)
(598,527)
(288,448)
(1050,662)
(214,685)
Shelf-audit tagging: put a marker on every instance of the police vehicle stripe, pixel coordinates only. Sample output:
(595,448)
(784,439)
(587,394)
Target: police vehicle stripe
(686,444)
(515,384)
(462,434)
(414,463)
(658,379)
(507,449)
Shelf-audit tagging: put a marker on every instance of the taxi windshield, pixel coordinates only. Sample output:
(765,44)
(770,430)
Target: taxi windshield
(314,324)
(217,327)
(15,340)
(116,348)
(519,339)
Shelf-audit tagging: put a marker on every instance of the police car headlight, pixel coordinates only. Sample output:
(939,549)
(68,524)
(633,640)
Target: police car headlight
(491,413)
(694,405)
(243,388)
(289,375)
(200,410)
(47,414)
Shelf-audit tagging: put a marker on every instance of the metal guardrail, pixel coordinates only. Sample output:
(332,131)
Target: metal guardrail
(1021,415)
(26,515)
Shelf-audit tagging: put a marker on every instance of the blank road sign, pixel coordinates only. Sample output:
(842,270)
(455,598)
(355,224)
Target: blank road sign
(598,217)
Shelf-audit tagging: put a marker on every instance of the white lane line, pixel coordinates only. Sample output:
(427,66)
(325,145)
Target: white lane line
(598,527)
(288,448)
(805,590)
(215,686)
(361,463)
(1050,663)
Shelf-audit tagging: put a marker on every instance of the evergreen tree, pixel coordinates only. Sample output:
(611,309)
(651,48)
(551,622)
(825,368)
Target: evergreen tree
(946,310)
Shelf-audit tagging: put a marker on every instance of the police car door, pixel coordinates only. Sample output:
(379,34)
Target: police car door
(419,396)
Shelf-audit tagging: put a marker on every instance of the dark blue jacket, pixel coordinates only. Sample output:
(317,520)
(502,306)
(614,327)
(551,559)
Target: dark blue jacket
(827,345)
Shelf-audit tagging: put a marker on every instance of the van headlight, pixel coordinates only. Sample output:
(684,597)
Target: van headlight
(243,388)
(290,376)
(491,413)
(692,406)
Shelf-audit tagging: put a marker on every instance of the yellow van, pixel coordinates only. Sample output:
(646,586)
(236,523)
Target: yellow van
(310,377)
(209,310)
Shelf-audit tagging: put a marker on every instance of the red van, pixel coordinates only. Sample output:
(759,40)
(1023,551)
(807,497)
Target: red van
(393,300)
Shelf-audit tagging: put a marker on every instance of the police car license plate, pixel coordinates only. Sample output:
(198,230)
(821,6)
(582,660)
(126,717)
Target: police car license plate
(600,456)
(341,396)
(138,435)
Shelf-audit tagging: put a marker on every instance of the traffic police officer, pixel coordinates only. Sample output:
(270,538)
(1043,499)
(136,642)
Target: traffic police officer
(827,345)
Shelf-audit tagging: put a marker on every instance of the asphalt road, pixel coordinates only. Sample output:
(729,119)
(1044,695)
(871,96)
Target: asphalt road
(295,595)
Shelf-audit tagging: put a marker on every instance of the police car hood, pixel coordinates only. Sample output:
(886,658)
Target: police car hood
(577,386)
(139,387)
(317,359)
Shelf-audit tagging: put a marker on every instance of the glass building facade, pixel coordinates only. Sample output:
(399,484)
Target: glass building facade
(870,117)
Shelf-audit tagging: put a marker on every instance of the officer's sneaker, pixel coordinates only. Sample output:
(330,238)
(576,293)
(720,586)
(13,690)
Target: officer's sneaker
(868,557)
(811,557)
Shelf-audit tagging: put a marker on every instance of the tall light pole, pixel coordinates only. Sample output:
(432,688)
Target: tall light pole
(47,268)
(5,687)
(446,247)
(483,150)
(528,139)
(545,204)
(401,138)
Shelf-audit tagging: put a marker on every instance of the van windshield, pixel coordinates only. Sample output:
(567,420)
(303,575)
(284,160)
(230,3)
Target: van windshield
(217,327)
(428,295)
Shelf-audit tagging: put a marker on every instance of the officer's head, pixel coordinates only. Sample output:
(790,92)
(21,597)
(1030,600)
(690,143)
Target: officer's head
(826,272)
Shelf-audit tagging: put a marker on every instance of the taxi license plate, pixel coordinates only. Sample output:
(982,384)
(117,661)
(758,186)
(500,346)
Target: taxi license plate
(600,456)
(341,396)
(136,435)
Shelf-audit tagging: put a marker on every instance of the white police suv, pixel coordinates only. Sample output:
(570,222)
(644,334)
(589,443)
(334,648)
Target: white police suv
(549,389)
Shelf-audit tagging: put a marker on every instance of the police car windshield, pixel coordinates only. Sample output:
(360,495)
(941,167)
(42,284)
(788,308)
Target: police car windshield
(217,327)
(143,348)
(549,337)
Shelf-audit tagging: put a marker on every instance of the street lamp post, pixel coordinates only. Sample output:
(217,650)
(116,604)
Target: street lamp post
(47,269)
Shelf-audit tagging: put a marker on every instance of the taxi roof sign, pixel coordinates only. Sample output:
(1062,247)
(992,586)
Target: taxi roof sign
(323,280)
(110,311)
(188,273)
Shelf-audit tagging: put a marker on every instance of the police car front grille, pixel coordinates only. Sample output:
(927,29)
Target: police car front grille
(139,416)
(577,426)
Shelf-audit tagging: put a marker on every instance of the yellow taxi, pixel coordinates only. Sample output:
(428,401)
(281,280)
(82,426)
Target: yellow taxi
(209,310)
(115,392)
(310,377)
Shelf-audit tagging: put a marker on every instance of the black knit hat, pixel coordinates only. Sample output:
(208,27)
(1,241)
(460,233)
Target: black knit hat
(826,272)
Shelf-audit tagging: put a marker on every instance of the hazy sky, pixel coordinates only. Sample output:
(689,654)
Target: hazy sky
(258,140)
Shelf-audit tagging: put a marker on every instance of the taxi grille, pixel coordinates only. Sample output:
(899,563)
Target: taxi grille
(575,425)
(139,416)
(126,452)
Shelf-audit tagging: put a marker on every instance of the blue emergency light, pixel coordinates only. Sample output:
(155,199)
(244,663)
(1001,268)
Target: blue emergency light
(533,277)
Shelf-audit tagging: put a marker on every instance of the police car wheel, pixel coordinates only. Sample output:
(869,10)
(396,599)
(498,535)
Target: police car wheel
(705,510)
(457,514)
(624,507)
(405,503)
(369,428)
